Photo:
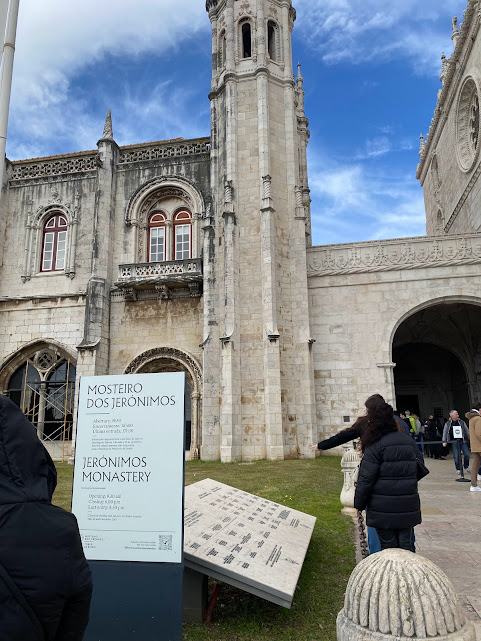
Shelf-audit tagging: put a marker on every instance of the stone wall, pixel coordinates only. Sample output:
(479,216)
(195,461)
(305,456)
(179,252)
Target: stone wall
(450,163)
(359,294)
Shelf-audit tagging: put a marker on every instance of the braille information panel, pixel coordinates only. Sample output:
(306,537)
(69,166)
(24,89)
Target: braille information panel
(245,540)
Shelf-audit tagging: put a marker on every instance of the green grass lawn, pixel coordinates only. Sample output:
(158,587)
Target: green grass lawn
(311,486)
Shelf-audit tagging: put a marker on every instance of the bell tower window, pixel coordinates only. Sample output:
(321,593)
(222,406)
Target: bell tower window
(272,40)
(222,49)
(246,33)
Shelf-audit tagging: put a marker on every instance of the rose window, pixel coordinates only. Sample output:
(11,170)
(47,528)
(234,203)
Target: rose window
(467,124)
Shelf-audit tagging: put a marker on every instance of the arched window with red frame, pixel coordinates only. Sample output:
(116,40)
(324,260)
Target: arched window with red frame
(54,244)
(182,235)
(156,241)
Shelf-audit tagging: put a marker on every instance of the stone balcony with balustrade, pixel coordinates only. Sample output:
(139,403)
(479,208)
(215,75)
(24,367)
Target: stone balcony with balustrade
(170,279)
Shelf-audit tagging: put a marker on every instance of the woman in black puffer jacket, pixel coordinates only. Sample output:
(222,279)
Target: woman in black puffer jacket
(45,581)
(387,486)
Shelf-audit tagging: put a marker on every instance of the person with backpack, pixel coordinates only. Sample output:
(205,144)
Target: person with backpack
(45,580)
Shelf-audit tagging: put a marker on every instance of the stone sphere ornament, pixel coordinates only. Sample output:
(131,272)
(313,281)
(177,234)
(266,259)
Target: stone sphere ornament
(400,596)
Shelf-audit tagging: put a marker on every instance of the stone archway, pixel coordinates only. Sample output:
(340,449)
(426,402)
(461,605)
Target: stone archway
(170,359)
(40,379)
(437,352)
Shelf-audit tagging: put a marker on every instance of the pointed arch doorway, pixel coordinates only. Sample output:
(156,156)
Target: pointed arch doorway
(168,359)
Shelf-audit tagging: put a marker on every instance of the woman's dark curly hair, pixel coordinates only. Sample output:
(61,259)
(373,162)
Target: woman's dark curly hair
(380,420)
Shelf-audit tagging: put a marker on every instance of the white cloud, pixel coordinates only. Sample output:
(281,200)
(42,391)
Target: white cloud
(58,39)
(359,31)
(353,202)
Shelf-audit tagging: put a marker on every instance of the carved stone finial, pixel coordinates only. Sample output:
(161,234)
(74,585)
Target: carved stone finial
(299,74)
(456,32)
(444,67)
(108,131)
(300,92)
(387,598)
(422,145)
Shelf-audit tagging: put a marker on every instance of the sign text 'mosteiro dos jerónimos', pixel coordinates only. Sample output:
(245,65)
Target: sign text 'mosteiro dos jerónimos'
(128,478)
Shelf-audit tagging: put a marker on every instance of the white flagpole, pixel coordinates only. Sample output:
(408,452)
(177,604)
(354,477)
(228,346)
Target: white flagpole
(6,78)
(3,22)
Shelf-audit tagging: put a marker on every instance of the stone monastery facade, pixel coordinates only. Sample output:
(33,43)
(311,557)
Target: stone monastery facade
(196,256)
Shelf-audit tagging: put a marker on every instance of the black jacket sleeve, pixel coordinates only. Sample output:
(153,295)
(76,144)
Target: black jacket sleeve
(368,474)
(340,438)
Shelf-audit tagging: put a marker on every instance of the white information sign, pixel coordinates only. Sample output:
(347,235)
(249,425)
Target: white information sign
(245,540)
(129,467)
(457,431)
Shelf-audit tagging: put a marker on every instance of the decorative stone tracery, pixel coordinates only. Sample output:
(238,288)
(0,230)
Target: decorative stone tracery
(171,359)
(467,124)
(53,167)
(400,253)
(150,195)
(34,233)
(45,356)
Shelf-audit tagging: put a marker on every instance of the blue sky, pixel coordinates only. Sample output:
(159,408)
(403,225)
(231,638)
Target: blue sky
(371,71)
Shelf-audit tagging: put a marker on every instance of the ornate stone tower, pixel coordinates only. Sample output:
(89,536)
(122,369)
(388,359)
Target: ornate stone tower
(258,373)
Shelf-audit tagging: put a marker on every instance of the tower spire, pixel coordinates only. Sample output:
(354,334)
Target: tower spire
(300,92)
(108,131)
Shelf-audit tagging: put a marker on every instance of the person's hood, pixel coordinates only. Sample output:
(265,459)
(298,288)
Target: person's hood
(27,472)
(471,414)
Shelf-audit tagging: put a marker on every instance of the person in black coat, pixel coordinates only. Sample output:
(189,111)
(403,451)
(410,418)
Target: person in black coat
(45,581)
(354,431)
(387,486)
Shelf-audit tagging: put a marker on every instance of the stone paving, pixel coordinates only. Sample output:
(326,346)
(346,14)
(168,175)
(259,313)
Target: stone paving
(450,534)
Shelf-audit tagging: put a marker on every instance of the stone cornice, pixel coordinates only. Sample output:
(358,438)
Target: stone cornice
(454,74)
(55,166)
(170,149)
(396,254)
(248,75)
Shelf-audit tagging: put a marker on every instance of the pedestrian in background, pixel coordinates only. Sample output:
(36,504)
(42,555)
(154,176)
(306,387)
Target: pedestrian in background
(448,435)
(433,432)
(411,422)
(475,441)
(419,432)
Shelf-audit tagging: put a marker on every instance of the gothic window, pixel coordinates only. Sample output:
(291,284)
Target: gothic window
(44,390)
(54,244)
(246,39)
(273,41)
(182,235)
(156,242)
(222,49)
